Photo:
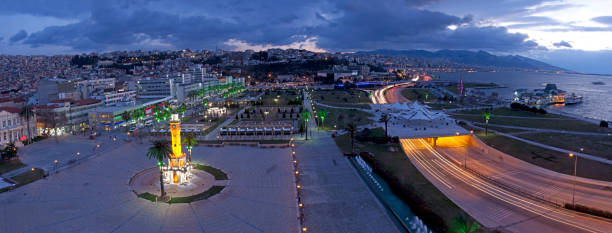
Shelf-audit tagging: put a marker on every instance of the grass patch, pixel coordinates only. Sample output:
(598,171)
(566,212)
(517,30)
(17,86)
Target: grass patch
(549,159)
(409,176)
(9,165)
(418,94)
(148,196)
(442,106)
(512,112)
(333,97)
(218,174)
(595,145)
(537,120)
(282,97)
(28,177)
(200,196)
(342,117)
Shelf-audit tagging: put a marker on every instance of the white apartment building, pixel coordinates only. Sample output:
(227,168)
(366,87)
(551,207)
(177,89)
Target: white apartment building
(13,128)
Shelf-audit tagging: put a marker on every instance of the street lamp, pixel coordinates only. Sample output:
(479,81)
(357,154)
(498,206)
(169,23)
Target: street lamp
(55,164)
(574,184)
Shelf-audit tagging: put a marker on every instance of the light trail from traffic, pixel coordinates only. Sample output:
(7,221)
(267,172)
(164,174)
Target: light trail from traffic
(436,166)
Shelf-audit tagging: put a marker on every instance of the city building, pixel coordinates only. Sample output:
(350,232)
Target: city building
(54,89)
(154,88)
(65,116)
(14,127)
(111,117)
(115,97)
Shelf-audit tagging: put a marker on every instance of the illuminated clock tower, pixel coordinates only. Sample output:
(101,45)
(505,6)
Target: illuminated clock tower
(178,169)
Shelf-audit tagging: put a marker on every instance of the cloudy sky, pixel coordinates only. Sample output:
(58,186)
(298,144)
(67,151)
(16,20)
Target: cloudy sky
(572,34)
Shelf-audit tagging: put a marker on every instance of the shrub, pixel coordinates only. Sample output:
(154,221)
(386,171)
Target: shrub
(603,124)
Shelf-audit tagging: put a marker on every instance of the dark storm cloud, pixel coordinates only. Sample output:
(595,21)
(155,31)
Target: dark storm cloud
(337,25)
(603,19)
(486,38)
(562,44)
(18,36)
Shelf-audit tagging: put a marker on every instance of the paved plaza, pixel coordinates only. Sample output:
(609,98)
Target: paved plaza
(94,196)
(335,198)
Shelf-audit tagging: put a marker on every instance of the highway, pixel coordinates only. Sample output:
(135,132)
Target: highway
(506,208)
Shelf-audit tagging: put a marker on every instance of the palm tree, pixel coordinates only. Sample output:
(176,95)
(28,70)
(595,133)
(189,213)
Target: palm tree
(322,114)
(463,225)
(487,117)
(26,112)
(385,119)
(306,116)
(159,151)
(351,128)
(190,141)
(126,116)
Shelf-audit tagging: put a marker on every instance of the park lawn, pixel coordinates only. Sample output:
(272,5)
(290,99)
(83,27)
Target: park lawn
(539,122)
(549,159)
(594,145)
(506,130)
(282,97)
(512,112)
(442,106)
(399,164)
(28,177)
(418,94)
(218,174)
(200,196)
(333,97)
(342,117)
(7,166)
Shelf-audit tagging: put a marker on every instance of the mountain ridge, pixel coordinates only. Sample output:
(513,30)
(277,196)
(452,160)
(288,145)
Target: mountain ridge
(480,59)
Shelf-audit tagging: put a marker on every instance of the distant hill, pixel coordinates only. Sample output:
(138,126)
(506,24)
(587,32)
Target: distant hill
(478,59)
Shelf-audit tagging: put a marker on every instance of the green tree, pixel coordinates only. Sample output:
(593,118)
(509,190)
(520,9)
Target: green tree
(384,118)
(181,109)
(351,128)
(322,114)
(159,151)
(462,225)
(126,116)
(189,141)
(306,117)
(487,117)
(10,151)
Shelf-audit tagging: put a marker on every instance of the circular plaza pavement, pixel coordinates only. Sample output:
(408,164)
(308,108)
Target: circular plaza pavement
(95,195)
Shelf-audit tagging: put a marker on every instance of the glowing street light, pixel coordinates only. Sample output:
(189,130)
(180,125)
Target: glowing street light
(574,184)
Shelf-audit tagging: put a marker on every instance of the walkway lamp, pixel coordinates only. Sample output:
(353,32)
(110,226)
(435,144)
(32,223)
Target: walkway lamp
(574,184)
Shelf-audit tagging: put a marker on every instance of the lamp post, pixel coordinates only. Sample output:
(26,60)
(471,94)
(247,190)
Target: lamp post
(55,165)
(574,184)
(77,156)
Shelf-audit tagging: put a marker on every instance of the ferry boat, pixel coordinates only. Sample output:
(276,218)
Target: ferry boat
(549,95)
